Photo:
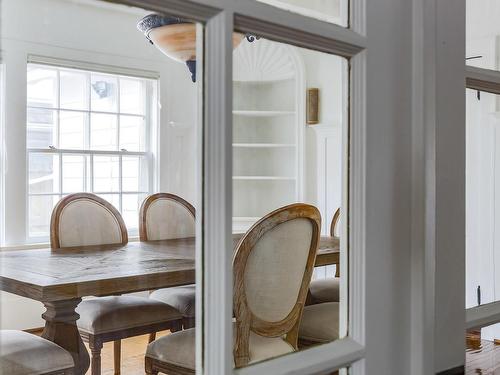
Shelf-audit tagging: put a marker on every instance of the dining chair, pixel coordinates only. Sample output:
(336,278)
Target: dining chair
(327,290)
(165,216)
(319,324)
(272,268)
(84,219)
(22,353)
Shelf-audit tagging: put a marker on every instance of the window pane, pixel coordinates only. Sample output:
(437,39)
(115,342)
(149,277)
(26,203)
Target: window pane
(72,130)
(334,11)
(42,87)
(74,90)
(41,128)
(43,173)
(104,132)
(74,169)
(132,133)
(483,31)
(132,96)
(482,205)
(106,173)
(130,209)
(134,174)
(270,152)
(104,93)
(114,199)
(39,211)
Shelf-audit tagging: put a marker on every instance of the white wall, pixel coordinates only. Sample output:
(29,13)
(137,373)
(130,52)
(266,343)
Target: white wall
(75,30)
(106,34)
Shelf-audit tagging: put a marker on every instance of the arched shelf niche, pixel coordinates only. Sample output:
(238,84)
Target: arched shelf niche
(268,129)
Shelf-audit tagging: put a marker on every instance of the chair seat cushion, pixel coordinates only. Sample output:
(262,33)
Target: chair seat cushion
(181,297)
(109,314)
(325,290)
(179,348)
(22,353)
(320,323)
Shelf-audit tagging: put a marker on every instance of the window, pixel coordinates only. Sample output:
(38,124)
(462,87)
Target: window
(86,132)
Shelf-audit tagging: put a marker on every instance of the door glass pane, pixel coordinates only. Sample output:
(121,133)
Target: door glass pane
(289,117)
(483,33)
(334,11)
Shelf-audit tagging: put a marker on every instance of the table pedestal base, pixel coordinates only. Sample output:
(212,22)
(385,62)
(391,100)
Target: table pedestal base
(60,328)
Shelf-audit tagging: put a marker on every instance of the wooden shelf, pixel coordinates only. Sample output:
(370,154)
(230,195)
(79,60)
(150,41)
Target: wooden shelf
(264,145)
(264,178)
(263,113)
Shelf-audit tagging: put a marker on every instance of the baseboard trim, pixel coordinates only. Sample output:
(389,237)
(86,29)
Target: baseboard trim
(459,370)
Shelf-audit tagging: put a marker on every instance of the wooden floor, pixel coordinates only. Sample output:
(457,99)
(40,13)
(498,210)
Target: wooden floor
(482,357)
(133,350)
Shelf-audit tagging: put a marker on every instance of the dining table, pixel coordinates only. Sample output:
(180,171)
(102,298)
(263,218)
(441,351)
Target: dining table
(60,278)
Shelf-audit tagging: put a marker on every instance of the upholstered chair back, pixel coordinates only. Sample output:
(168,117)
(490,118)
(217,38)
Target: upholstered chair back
(165,216)
(334,226)
(272,270)
(84,219)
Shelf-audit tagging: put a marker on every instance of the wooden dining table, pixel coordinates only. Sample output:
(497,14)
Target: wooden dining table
(60,278)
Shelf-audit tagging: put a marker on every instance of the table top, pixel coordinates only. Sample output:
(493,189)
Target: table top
(61,274)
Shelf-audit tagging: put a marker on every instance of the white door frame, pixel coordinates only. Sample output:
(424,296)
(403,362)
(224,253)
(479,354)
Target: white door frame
(367,192)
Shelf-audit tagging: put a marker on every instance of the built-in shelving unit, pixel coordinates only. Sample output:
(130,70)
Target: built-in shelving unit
(268,121)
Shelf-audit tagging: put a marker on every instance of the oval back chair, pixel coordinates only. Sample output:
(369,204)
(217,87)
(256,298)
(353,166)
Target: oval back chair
(335,223)
(272,269)
(165,216)
(84,219)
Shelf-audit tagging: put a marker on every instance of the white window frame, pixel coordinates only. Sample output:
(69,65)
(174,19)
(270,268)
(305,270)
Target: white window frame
(214,286)
(150,123)
(485,80)
(2,152)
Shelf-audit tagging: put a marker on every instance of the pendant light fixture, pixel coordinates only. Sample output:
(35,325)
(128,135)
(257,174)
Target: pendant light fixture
(176,38)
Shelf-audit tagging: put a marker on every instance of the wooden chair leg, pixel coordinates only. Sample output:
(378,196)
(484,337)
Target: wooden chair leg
(176,326)
(152,337)
(148,366)
(117,353)
(95,360)
(188,323)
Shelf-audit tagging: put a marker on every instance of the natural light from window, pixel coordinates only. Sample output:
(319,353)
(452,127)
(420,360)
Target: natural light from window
(86,132)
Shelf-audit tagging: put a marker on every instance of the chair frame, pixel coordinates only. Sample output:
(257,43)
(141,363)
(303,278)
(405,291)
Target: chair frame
(333,230)
(143,226)
(96,341)
(246,321)
(143,236)
(55,242)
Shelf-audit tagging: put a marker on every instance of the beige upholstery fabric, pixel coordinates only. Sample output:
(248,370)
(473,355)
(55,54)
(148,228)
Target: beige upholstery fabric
(181,298)
(167,219)
(320,323)
(325,290)
(107,314)
(271,282)
(22,353)
(179,348)
(84,222)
